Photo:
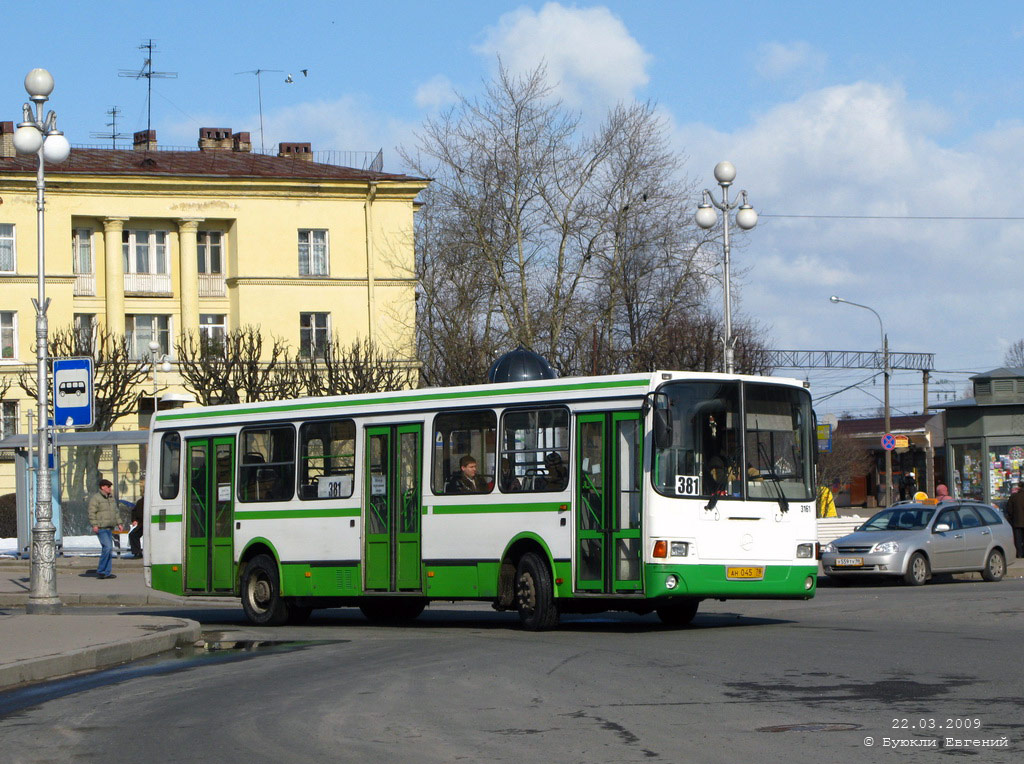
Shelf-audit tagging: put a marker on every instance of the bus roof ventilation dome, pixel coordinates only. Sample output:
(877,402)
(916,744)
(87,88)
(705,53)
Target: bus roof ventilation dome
(520,365)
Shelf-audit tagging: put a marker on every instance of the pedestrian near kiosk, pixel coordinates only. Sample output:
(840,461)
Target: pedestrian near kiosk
(135,534)
(942,493)
(104,517)
(1015,514)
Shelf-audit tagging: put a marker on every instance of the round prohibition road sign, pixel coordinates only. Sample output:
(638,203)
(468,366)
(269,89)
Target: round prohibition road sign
(888,441)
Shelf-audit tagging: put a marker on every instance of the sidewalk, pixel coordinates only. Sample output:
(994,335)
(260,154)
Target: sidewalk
(39,647)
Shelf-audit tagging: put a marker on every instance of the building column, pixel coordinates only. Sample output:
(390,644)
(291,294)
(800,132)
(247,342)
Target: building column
(113,274)
(371,298)
(188,274)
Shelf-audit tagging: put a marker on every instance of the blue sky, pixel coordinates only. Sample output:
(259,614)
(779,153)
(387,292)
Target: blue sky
(875,108)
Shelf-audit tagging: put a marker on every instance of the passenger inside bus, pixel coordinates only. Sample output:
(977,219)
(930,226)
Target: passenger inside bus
(466,480)
(558,474)
(509,482)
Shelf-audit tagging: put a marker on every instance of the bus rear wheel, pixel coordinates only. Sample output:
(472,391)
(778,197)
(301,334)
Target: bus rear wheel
(261,593)
(678,613)
(535,595)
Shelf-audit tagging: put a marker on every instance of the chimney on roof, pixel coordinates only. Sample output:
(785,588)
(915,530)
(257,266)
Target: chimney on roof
(214,138)
(302,151)
(144,140)
(241,142)
(7,140)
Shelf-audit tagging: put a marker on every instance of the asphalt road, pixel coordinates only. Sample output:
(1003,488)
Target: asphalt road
(748,682)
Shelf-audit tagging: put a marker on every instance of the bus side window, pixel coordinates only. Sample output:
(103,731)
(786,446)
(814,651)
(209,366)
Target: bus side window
(535,445)
(327,451)
(460,434)
(170,465)
(267,469)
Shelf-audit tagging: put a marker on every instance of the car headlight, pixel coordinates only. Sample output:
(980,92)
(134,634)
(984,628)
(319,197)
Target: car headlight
(886,547)
(828,548)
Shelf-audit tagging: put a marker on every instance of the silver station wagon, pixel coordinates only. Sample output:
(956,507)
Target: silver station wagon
(913,541)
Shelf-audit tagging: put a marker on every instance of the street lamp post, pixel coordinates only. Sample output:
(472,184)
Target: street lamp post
(746,218)
(885,371)
(164,362)
(39,135)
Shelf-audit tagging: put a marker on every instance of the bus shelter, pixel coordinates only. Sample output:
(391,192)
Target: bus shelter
(80,461)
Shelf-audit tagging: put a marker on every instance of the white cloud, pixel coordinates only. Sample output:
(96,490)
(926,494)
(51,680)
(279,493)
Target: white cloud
(866,149)
(589,53)
(436,93)
(776,60)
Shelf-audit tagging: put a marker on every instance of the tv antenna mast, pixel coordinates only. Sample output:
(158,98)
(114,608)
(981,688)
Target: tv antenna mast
(259,96)
(112,135)
(147,72)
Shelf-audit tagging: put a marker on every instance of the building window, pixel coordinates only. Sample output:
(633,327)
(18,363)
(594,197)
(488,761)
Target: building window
(8,335)
(85,331)
(8,418)
(145,252)
(313,259)
(208,250)
(140,330)
(211,330)
(81,250)
(7,248)
(314,333)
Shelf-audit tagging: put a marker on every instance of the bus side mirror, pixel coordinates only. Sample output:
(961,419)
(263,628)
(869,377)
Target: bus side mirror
(662,428)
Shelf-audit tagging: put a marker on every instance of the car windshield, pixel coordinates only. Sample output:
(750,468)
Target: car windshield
(899,519)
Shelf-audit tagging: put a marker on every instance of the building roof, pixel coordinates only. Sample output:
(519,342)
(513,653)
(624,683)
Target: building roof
(1001,373)
(209,162)
(873,425)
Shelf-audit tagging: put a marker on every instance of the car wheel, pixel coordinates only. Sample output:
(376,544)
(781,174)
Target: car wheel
(995,566)
(917,570)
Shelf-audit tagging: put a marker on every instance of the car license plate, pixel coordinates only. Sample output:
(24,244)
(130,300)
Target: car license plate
(751,572)
(847,562)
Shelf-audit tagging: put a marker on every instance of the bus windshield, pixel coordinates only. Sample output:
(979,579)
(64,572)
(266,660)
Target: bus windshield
(755,445)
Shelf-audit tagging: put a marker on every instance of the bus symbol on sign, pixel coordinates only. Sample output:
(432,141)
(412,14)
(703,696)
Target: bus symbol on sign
(888,441)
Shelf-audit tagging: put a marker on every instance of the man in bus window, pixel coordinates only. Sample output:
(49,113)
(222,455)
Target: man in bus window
(558,475)
(466,480)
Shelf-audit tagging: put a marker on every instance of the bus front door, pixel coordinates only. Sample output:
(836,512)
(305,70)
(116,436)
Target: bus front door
(608,503)
(392,509)
(209,537)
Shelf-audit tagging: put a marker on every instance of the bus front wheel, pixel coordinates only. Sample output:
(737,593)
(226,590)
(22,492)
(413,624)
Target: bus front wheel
(678,613)
(261,593)
(535,596)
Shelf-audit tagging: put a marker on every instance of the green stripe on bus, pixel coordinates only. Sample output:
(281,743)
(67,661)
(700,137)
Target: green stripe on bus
(483,509)
(309,405)
(157,519)
(282,514)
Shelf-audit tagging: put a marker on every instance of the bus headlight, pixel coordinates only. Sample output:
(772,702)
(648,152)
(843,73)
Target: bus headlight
(680,548)
(804,551)
(672,582)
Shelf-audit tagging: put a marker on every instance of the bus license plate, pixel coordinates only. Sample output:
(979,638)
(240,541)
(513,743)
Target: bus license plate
(848,562)
(752,572)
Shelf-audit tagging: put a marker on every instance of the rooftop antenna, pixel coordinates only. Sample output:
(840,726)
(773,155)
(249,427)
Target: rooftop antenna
(147,72)
(259,96)
(112,135)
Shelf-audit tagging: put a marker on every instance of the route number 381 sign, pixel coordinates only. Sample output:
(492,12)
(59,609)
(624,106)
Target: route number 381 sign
(687,485)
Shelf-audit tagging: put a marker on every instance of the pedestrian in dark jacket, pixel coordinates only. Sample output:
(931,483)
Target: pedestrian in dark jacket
(1015,514)
(135,534)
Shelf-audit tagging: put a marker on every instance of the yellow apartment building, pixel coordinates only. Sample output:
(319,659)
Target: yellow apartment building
(156,243)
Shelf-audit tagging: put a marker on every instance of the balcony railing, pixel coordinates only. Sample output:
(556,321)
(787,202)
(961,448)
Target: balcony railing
(211,284)
(85,284)
(147,283)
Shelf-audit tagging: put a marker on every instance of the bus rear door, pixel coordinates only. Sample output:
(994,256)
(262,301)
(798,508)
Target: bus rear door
(209,536)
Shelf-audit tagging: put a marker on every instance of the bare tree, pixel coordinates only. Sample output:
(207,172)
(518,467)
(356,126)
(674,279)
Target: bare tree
(1015,355)
(361,367)
(116,374)
(241,367)
(847,459)
(577,245)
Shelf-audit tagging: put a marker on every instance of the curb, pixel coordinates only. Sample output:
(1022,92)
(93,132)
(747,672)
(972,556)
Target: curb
(180,631)
(129,600)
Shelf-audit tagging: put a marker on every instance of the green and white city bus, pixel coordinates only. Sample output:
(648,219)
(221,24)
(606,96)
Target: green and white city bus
(644,492)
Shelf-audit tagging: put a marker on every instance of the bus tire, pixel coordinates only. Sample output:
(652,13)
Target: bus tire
(261,593)
(393,610)
(679,613)
(535,595)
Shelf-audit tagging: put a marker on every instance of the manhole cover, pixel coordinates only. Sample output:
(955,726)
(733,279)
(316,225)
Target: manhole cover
(811,727)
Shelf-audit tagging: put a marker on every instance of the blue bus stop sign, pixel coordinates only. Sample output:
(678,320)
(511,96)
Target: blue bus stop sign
(72,392)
